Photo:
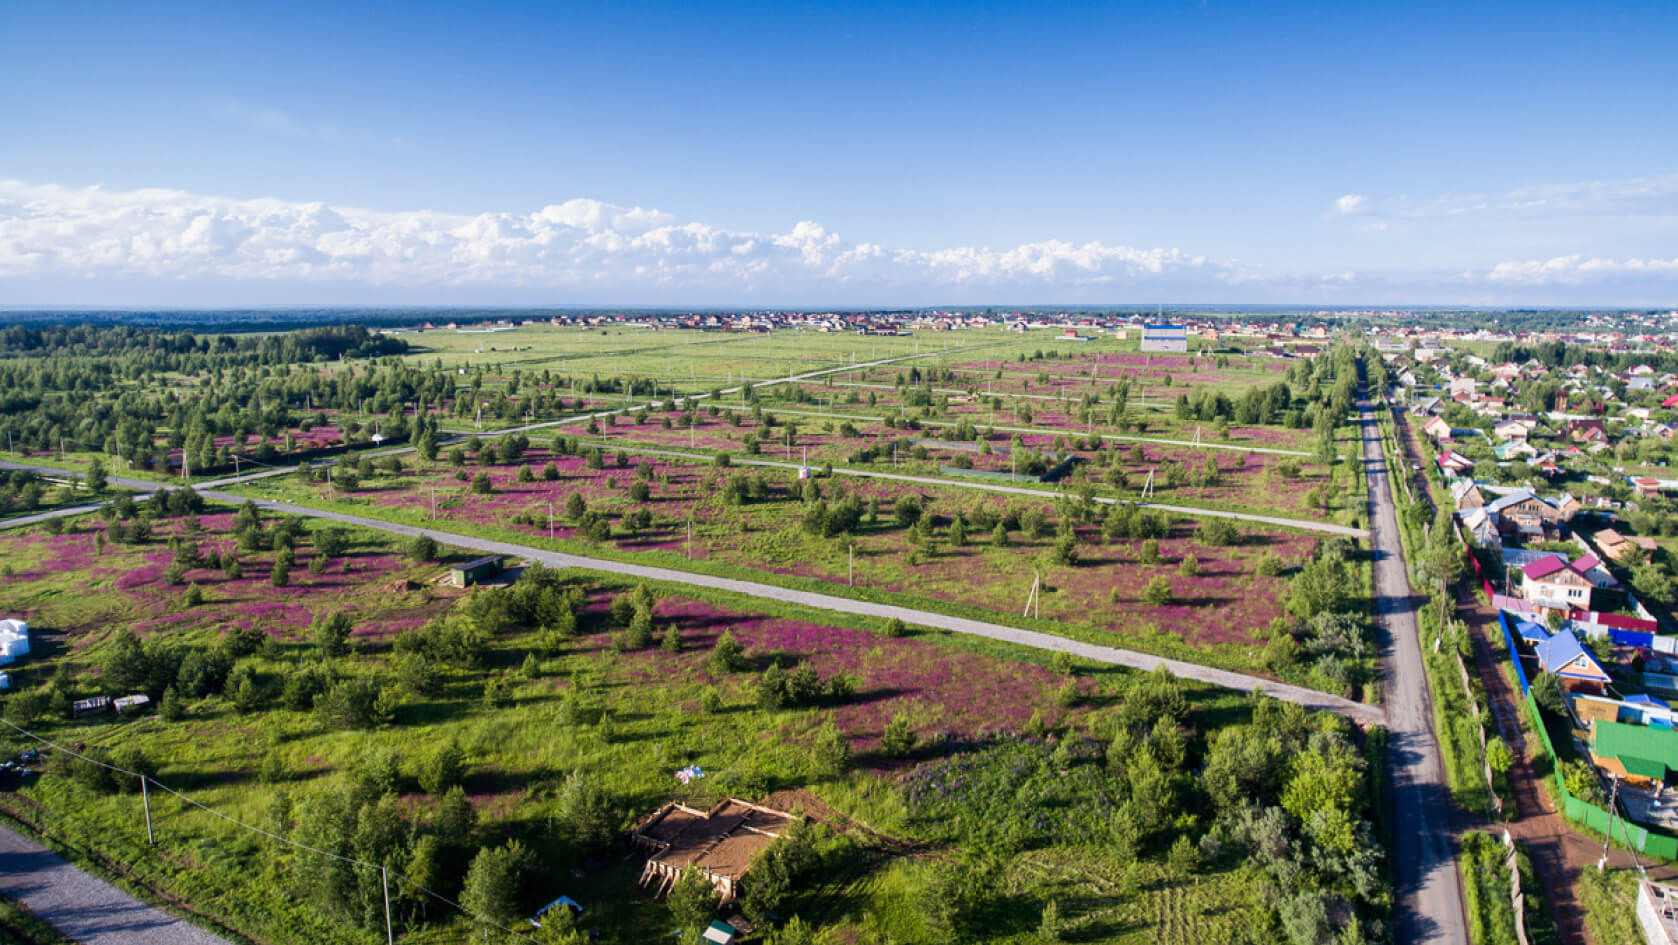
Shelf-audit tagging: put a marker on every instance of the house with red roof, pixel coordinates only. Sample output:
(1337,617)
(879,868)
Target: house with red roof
(1437,428)
(1554,582)
(1454,463)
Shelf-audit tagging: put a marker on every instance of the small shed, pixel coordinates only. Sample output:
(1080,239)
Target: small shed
(476,570)
(720,932)
(133,703)
(90,706)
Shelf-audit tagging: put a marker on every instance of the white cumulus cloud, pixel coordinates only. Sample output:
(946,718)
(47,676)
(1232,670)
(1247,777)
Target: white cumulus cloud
(1578,270)
(1350,203)
(49,231)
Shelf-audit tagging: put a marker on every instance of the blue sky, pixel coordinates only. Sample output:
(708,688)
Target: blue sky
(839,155)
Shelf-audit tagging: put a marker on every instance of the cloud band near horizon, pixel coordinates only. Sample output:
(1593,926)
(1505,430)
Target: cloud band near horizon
(586,250)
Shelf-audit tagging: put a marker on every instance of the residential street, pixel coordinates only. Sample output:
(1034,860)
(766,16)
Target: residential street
(1430,903)
(83,907)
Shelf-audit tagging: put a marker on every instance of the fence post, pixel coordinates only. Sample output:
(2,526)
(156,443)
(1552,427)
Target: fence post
(384,881)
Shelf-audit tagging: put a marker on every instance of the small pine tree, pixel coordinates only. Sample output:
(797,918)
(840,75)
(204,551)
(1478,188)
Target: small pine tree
(833,750)
(672,641)
(999,536)
(171,708)
(727,656)
(279,575)
(422,548)
(894,628)
(1189,566)
(1158,592)
(898,739)
(194,596)
(1049,927)
(442,770)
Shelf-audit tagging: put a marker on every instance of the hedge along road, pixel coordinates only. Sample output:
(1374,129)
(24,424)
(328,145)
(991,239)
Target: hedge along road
(1041,641)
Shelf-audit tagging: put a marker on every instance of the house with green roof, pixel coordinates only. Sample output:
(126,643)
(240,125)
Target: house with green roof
(1638,753)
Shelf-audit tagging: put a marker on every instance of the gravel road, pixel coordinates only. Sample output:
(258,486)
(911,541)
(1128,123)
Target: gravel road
(1041,641)
(82,907)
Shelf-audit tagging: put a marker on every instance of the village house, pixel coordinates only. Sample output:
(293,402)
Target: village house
(1437,428)
(1618,547)
(1562,654)
(1587,431)
(1526,511)
(1467,495)
(1638,753)
(1453,463)
(1553,582)
(1647,488)
(1513,429)
(720,843)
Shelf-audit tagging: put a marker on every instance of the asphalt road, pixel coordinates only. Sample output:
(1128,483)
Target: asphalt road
(1042,641)
(82,907)
(1430,902)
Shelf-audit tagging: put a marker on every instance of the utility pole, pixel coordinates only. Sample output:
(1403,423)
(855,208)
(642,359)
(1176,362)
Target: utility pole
(384,881)
(433,501)
(145,800)
(550,521)
(852,548)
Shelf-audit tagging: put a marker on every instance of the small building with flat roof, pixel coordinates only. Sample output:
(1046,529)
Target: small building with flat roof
(476,571)
(1165,338)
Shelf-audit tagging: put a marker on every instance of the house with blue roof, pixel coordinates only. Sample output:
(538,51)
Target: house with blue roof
(1574,665)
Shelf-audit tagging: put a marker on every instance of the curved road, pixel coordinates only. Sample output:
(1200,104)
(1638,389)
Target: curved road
(995,631)
(1043,641)
(83,907)
(1430,899)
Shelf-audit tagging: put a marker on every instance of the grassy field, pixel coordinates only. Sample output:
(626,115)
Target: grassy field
(534,710)
(307,679)
(1221,612)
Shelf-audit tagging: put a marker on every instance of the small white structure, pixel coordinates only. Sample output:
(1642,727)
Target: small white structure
(127,704)
(14,641)
(1165,338)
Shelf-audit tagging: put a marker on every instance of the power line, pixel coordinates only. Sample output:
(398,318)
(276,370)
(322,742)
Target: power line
(147,779)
